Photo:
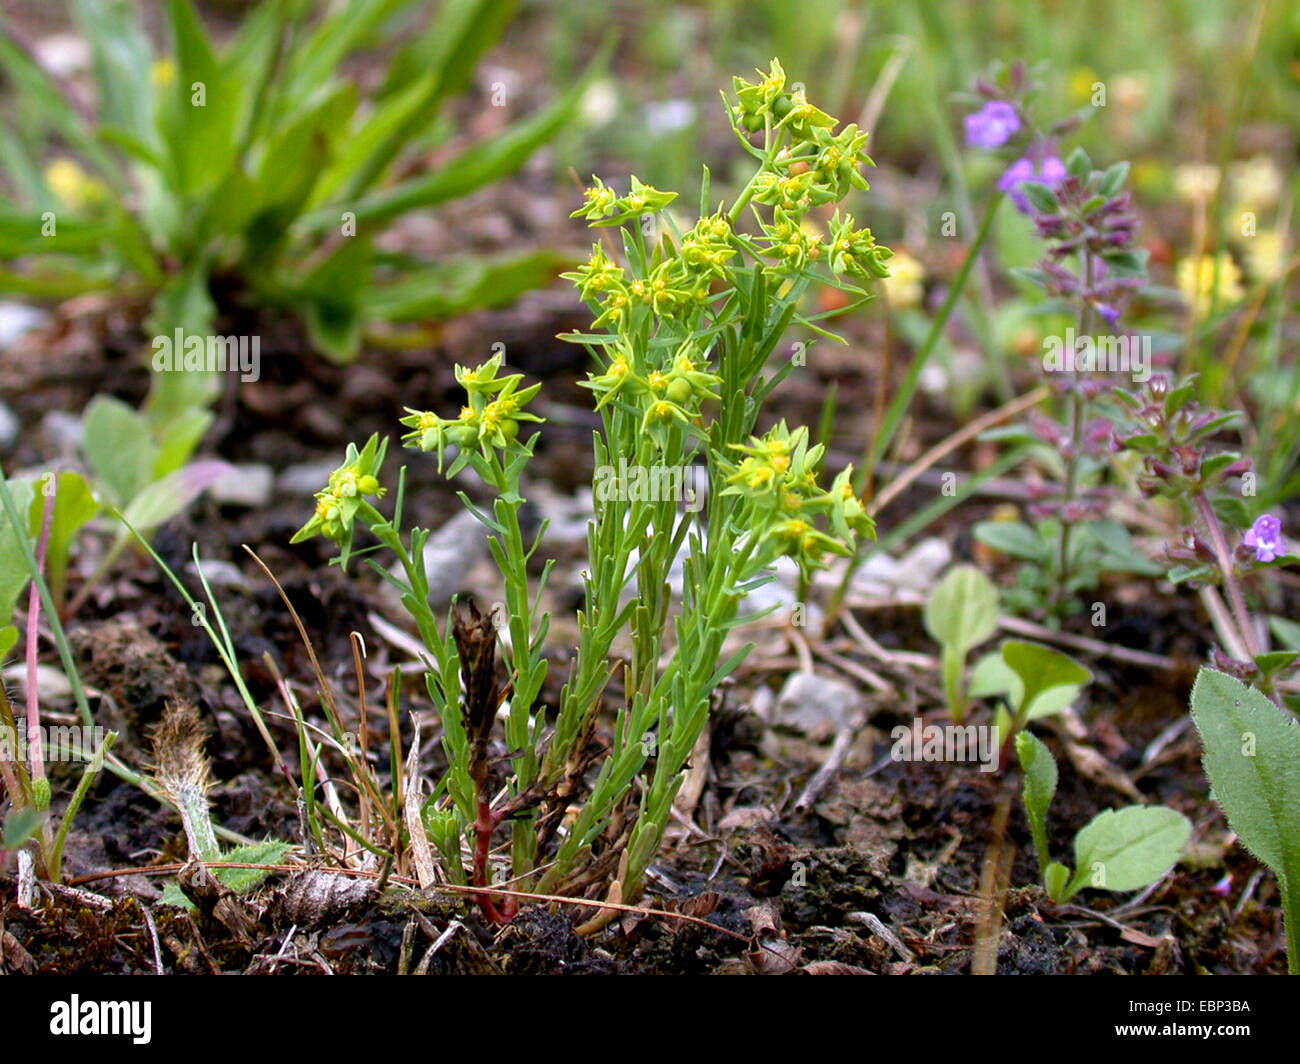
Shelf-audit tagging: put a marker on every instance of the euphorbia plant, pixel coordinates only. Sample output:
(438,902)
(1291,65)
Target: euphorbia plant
(690,324)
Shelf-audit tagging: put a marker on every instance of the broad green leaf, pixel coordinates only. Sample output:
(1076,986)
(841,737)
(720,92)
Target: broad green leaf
(1112,181)
(241,880)
(1252,757)
(122,61)
(179,439)
(1040,196)
(463,284)
(1013,538)
(330,299)
(292,162)
(992,676)
(53,108)
(8,638)
(446,55)
(1056,877)
(477,166)
(21,825)
(1287,632)
(1276,661)
(119,447)
(963,609)
(202,109)
(1129,849)
(75,505)
(164,499)
(1039,767)
(14,573)
(1041,668)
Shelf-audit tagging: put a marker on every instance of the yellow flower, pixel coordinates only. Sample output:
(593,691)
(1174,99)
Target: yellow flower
(1082,79)
(1195,182)
(1255,183)
(72,184)
(903,285)
(1265,255)
(1196,280)
(162,73)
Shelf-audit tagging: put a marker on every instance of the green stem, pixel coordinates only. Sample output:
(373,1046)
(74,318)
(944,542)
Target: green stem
(1232,585)
(1074,460)
(894,416)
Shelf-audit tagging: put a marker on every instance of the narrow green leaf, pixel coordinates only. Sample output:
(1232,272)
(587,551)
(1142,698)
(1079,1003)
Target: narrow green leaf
(1039,767)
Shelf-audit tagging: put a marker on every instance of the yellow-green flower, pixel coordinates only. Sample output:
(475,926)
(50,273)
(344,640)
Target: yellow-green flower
(337,505)
(1255,183)
(904,285)
(1265,255)
(491,418)
(1200,286)
(72,184)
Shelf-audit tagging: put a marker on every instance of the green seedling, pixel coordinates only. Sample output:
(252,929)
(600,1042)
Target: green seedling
(1032,680)
(1118,850)
(1252,758)
(961,614)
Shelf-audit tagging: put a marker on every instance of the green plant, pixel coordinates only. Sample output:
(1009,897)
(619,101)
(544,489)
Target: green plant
(1252,758)
(962,613)
(1118,850)
(692,321)
(24,745)
(1096,548)
(132,473)
(1034,680)
(257,174)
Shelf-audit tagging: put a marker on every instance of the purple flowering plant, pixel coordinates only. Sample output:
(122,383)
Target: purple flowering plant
(1091,266)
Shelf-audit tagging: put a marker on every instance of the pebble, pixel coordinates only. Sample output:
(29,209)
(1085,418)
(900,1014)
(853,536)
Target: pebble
(18,319)
(450,553)
(9,428)
(305,478)
(810,702)
(63,433)
(251,486)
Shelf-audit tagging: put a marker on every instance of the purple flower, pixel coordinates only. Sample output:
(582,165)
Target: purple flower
(1110,313)
(992,125)
(1051,172)
(1265,538)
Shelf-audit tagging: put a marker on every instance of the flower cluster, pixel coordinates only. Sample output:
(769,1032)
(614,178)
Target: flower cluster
(677,285)
(1171,432)
(604,207)
(1089,215)
(337,505)
(777,478)
(489,420)
(766,103)
(855,251)
(663,396)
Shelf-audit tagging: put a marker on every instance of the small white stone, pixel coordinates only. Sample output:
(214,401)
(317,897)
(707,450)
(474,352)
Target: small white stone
(251,486)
